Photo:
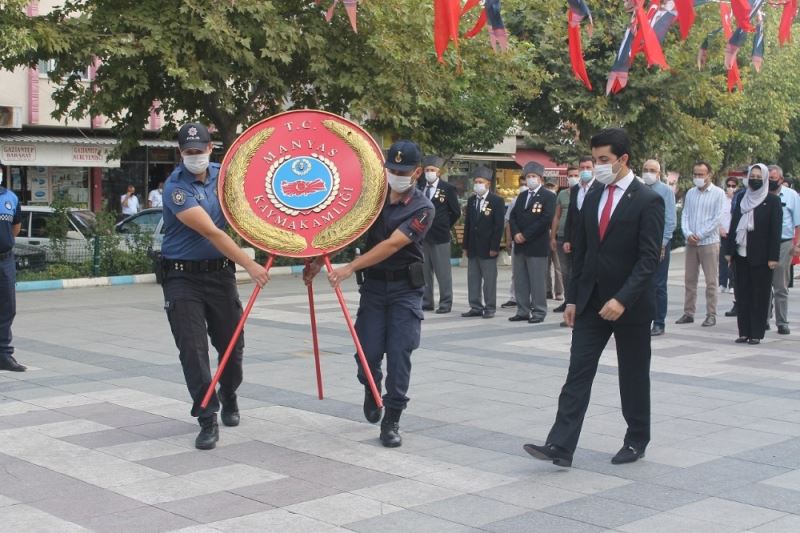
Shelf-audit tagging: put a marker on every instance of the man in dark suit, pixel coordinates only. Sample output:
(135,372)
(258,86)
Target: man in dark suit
(616,247)
(436,246)
(530,228)
(483,229)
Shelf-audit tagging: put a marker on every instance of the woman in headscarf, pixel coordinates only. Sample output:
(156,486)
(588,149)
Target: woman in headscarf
(753,246)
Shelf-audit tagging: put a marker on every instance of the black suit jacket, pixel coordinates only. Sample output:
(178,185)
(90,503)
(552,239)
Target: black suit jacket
(623,264)
(764,242)
(448,211)
(482,233)
(533,222)
(572,210)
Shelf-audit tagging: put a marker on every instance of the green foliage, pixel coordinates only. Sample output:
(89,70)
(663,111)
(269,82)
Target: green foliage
(233,63)
(678,115)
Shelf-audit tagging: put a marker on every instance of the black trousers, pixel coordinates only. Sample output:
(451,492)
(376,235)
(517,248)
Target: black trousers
(8,307)
(753,289)
(200,306)
(589,338)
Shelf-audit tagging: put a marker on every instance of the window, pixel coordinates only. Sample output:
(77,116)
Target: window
(39,224)
(49,65)
(25,224)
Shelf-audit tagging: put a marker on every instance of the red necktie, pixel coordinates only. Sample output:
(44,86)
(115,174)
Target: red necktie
(606,215)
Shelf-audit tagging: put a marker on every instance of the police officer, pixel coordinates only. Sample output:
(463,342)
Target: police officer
(530,228)
(390,311)
(10,224)
(200,294)
(436,246)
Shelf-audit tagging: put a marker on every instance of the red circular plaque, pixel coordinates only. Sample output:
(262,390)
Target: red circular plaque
(302,183)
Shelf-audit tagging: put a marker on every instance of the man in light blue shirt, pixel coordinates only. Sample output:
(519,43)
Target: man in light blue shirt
(651,175)
(790,201)
(702,211)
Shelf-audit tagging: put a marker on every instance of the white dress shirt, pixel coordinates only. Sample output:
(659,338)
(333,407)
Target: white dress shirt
(621,186)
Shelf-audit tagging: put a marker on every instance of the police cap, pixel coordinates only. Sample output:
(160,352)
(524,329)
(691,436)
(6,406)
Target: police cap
(403,156)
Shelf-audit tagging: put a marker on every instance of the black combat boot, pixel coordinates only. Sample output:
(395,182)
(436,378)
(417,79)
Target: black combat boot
(230,409)
(209,433)
(371,410)
(390,428)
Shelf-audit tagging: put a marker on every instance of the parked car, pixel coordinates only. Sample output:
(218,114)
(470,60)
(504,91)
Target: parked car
(29,257)
(148,221)
(33,233)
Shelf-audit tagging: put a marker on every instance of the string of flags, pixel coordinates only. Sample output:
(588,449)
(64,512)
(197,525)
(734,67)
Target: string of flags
(644,34)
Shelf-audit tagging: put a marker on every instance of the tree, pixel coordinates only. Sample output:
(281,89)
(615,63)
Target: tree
(235,62)
(677,116)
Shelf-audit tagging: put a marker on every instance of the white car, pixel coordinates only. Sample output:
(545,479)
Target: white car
(148,221)
(77,247)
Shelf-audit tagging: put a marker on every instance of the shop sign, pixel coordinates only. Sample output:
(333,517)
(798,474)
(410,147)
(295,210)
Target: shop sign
(18,153)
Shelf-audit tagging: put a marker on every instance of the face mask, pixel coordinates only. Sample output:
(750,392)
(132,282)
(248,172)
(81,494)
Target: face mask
(586,175)
(479,188)
(399,183)
(573,181)
(523,188)
(699,182)
(532,183)
(755,183)
(774,185)
(605,174)
(196,164)
(650,177)
(430,177)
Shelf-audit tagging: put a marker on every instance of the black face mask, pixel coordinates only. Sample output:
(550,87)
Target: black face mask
(774,185)
(755,184)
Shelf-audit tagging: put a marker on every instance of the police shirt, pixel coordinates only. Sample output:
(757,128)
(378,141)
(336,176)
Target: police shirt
(183,191)
(10,215)
(413,215)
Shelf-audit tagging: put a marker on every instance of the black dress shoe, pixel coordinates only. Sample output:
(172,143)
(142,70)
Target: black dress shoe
(427,308)
(549,295)
(442,310)
(9,363)
(741,340)
(371,410)
(517,318)
(209,433)
(563,325)
(561,308)
(472,312)
(535,320)
(733,312)
(390,428)
(783,330)
(548,452)
(685,319)
(510,303)
(488,314)
(656,331)
(230,411)
(753,341)
(627,454)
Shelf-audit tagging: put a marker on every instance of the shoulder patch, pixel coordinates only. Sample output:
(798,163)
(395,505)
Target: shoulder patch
(178,197)
(8,205)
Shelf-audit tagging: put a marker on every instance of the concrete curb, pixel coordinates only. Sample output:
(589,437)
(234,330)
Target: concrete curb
(82,283)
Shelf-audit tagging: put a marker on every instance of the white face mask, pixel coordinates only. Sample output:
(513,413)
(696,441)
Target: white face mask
(479,188)
(196,164)
(650,177)
(573,181)
(699,182)
(533,182)
(586,175)
(605,174)
(430,177)
(398,183)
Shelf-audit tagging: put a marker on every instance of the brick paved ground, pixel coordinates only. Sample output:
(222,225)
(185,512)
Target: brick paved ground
(96,435)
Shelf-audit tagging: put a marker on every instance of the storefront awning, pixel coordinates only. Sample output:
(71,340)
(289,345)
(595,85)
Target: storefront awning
(30,150)
(485,157)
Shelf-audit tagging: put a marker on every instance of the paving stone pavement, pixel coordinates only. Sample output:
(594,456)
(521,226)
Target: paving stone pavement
(97,436)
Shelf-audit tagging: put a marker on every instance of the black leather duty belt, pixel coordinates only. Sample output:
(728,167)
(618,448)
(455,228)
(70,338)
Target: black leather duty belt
(387,275)
(6,254)
(196,267)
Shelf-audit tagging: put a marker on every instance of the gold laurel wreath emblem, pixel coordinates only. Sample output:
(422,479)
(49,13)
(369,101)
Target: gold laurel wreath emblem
(369,202)
(294,212)
(257,230)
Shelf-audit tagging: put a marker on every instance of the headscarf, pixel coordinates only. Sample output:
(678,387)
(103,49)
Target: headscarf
(750,201)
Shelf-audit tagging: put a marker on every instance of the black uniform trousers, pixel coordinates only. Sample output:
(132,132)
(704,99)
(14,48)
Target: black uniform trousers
(753,290)
(8,303)
(589,338)
(199,306)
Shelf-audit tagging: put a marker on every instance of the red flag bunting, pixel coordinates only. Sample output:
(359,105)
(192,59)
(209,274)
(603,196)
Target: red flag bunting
(576,49)
(652,48)
(785,31)
(479,24)
(685,10)
(741,10)
(446,14)
(734,79)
